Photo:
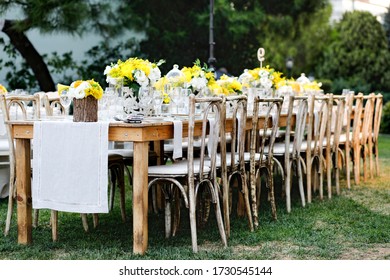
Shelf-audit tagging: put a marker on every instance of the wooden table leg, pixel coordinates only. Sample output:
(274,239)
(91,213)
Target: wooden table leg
(23,191)
(140,197)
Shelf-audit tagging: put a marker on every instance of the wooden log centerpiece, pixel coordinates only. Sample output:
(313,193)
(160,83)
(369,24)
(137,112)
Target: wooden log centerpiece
(85,109)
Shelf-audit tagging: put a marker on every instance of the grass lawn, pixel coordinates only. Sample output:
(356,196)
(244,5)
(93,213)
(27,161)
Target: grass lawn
(354,225)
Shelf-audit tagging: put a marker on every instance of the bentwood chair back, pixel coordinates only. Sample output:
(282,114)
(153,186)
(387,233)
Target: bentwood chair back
(355,135)
(290,151)
(366,135)
(333,152)
(315,145)
(376,129)
(236,157)
(51,101)
(265,125)
(15,108)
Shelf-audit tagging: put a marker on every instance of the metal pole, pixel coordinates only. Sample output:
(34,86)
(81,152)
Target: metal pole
(212,60)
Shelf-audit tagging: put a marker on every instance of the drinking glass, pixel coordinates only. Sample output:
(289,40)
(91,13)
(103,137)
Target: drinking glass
(116,84)
(175,96)
(65,100)
(157,102)
(145,97)
(185,96)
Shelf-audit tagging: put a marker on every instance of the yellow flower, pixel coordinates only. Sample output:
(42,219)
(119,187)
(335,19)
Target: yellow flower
(136,72)
(3,90)
(61,87)
(229,85)
(80,89)
(95,90)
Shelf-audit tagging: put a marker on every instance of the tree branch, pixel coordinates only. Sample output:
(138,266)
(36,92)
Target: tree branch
(20,41)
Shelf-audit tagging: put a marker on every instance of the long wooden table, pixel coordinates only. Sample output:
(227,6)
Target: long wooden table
(140,134)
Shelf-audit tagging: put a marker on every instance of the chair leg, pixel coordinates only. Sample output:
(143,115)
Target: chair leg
(168,219)
(221,227)
(371,158)
(112,181)
(272,194)
(95,219)
(247,203)
(54,225)
(192,214)
(287,183)
(365,163)
(300,179)
(329,174)
(356,164)
(308,179)
(320,172)
(255,195)
(85,222)
(176,211)
(347,165)
(377,159)
(10,210)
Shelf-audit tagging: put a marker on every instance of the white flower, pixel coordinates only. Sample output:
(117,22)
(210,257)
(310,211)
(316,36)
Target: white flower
(198,83)
(107,70)
(263,73)
(266,83)
(78,92)
(141,78)
(154,75)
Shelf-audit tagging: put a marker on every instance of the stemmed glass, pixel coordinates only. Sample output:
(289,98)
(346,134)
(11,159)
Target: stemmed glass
(65,100)
(185,96)
(175,96)
(145,99)
(157,102)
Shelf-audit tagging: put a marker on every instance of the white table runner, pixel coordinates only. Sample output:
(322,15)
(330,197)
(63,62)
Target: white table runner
(70,165)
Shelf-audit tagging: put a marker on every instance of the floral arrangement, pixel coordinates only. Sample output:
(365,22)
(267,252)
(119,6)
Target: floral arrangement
(80,89)
(291,85)
(264,77)
(227,85)
(197,77)
(135,73)
(3,90)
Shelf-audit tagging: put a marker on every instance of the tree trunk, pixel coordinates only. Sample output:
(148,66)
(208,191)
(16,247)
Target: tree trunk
(20,41)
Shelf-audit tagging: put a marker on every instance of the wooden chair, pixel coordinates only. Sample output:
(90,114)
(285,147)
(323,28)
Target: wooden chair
(315,145)
(290,152)
(376,129)
(265,125)
(365,135)
(236,158)
(333,152)
(190,176)
(51,101)
(15,107)
(349,132)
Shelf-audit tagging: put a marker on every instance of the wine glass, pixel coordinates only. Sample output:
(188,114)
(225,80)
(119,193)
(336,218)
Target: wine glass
(157,102)
(175,96)
(145,99)
(65,100)
(185,96)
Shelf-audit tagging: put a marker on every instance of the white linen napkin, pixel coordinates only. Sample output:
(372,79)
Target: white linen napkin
(177,139)
(70,166)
